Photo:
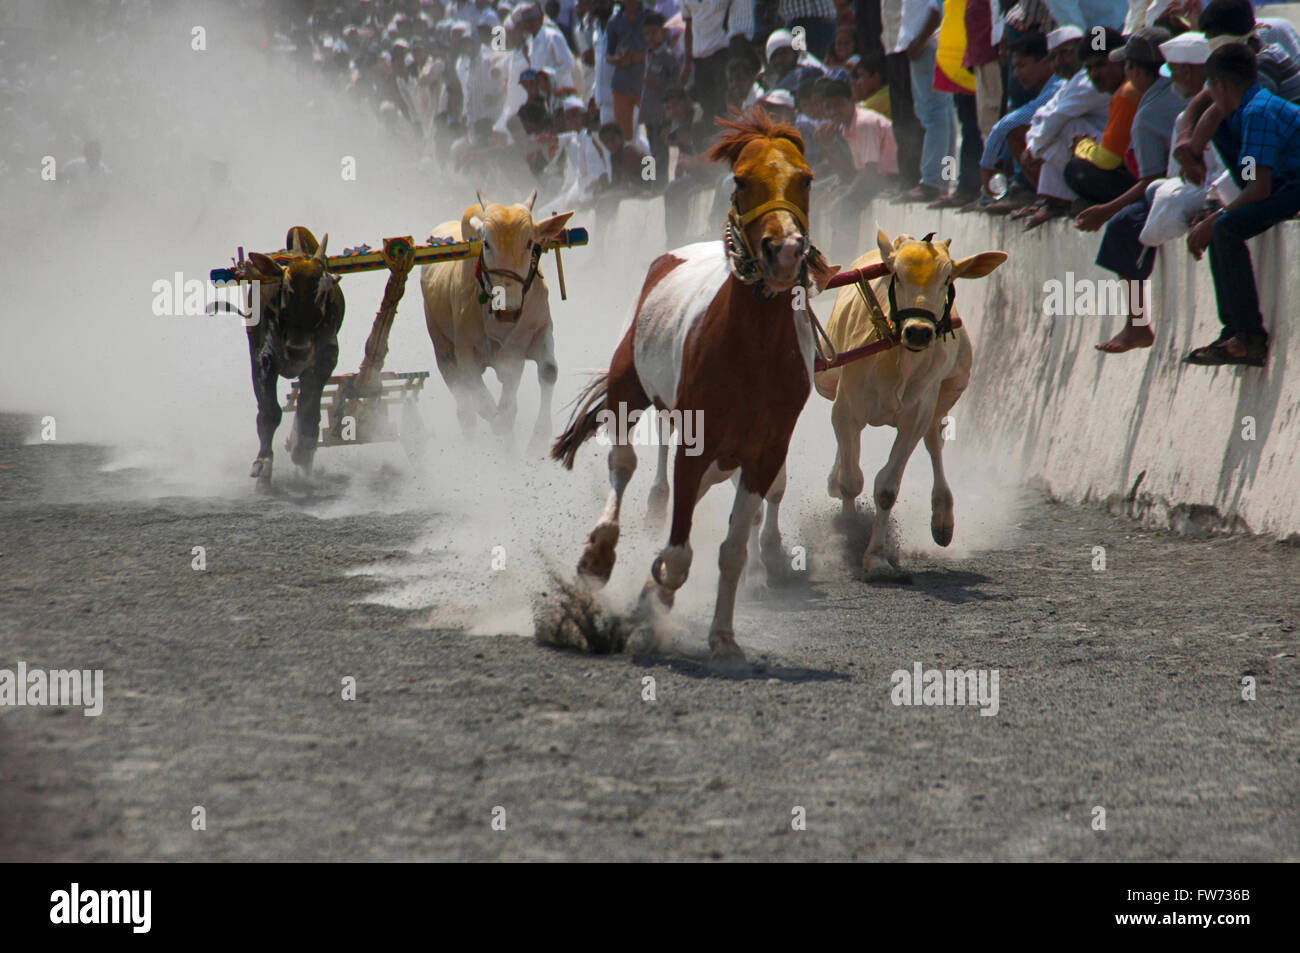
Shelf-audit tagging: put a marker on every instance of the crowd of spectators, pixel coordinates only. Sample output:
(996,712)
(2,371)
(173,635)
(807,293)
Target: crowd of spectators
(1150,119)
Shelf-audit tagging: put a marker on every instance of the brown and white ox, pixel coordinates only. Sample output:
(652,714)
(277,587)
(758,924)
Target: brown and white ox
(494,311)
(296,335)
(716,333)
(910,386)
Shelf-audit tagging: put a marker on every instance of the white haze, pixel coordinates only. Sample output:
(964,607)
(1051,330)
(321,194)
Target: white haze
(172,398)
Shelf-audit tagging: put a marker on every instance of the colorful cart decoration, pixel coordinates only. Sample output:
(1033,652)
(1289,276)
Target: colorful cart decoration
(356,405)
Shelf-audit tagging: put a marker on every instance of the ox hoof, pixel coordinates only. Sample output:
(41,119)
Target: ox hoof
(539,446)
(941,531)
(725,655)
(879,569)
(261,469)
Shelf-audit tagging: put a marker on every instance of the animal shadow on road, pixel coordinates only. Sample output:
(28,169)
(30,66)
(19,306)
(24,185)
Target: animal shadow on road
(697,665)
(946,584)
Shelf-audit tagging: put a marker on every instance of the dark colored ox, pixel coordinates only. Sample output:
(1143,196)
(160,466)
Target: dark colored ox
(301,312)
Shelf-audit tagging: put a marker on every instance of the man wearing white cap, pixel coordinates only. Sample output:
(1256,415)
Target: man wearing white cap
(1173,200)
(1077,109)
(1121,249)
(780,103)
(482,74)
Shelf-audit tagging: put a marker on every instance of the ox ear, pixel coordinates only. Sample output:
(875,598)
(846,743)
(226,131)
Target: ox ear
(886,248)
(265,265)
(549,228)
(977,266)
(476,224)
(528,202)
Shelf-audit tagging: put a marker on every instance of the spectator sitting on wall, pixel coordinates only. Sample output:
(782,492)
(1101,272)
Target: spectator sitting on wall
(1222,22)
(1268,128)
(1153,125)
(1036,71)
(1078,109)
(1098,173)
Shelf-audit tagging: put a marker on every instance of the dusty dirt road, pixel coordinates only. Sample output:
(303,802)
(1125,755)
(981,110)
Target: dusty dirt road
(1119,689)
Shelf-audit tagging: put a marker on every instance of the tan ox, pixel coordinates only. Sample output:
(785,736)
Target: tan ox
(911,386)
(494,311)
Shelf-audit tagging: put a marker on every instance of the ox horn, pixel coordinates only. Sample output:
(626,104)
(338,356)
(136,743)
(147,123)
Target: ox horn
(481,203)
(320,249)
(528,203)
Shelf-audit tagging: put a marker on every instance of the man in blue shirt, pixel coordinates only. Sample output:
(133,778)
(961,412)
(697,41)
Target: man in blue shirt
(1268,128)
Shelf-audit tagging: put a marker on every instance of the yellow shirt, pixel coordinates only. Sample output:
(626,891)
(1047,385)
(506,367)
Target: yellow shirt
(878,102)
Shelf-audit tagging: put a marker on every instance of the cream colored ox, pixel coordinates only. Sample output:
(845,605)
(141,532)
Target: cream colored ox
(911,386)
(494,311)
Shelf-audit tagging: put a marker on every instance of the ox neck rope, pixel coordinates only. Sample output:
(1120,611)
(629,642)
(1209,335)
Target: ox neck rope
(745,265)
(481,275)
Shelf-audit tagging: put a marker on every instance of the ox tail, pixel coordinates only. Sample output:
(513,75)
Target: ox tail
(584,423)
(827,382)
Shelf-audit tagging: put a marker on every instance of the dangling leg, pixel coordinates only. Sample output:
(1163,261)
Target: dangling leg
(942,521)
(597,560)
(673,564)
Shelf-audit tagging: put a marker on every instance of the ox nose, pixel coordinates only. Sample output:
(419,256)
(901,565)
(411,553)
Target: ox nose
(918,335)
(784,253)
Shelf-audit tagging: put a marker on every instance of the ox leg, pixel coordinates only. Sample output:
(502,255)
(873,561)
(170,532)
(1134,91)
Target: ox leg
(510,371)
(597,560)
(911,427)
(445,353)
(942,521)
(307,417)
(658,508)
(547,373)
(731,562)
(846,480)
(268,414)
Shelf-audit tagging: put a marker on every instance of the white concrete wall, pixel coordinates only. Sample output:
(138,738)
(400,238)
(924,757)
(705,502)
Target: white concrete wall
(1141,431)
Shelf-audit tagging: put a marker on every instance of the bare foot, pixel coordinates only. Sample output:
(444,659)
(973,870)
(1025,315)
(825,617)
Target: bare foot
(1043,215)
(1128,339)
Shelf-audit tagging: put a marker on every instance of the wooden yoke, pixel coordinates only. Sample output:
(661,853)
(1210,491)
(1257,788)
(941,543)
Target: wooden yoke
(399,256)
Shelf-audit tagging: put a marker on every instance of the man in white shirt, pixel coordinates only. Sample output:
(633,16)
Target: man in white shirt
(1077,109)
(710,25)
(546,48)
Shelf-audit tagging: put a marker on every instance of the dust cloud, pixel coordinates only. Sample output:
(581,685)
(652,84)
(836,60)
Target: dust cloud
(228,146)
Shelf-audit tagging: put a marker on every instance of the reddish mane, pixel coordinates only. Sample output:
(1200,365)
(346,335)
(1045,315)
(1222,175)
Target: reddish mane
(745,128)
